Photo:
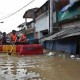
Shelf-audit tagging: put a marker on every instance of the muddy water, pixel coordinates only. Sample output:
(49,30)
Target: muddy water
(39,67)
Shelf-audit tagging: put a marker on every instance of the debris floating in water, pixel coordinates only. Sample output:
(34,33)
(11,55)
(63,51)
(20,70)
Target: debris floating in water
(72,56)
(50,54)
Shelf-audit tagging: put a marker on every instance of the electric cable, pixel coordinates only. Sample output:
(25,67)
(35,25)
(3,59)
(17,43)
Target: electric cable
(9,15)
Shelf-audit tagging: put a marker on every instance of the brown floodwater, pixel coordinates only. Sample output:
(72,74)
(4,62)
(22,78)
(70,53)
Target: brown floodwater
(39,67)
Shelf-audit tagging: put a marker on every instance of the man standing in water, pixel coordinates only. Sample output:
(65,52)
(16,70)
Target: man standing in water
(13,41)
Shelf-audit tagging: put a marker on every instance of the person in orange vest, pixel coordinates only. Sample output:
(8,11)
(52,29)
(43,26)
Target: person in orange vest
(23,38)
(13,36)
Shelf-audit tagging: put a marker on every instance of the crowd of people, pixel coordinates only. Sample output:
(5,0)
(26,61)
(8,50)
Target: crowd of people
(13,38)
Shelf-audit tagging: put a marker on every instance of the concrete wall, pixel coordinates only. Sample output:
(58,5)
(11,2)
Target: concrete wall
(54,17)
(42,22)
(73,24)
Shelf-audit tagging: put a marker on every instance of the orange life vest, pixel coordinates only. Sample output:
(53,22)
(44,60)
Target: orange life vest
(23,38)
(13,38)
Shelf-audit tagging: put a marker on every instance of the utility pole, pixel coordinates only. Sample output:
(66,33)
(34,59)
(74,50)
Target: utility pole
(51,16)
(26,23)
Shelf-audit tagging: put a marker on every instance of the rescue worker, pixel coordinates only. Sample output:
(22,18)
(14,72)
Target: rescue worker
(13,36)
(23,38)
(13,41)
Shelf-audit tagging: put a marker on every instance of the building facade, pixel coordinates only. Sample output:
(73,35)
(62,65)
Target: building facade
(67,39)
(42,20)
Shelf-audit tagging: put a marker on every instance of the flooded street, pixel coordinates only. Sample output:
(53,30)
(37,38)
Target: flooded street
(40,67)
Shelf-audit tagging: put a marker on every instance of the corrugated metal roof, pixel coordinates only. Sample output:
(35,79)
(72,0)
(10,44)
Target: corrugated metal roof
(21,25)
(68,32)
(29,13)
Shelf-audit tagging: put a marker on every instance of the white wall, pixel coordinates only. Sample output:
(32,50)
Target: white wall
(42,23)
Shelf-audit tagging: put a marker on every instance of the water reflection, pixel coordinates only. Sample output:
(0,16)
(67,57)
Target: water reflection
(16,68)
(38,68)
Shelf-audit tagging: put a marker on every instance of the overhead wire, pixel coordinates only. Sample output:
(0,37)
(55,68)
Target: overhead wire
(9,15)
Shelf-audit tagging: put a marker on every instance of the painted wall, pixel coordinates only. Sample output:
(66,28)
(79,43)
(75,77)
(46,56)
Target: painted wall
(42,22)
(68,14)
(30,36)
(73,24)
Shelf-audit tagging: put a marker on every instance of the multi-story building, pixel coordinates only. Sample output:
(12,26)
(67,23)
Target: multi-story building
(42,18)
(30,28)
(67,39)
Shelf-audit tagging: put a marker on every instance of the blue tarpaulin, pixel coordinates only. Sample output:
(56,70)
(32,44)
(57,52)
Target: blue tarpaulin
(66,46)
(70,5)
(66,8)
